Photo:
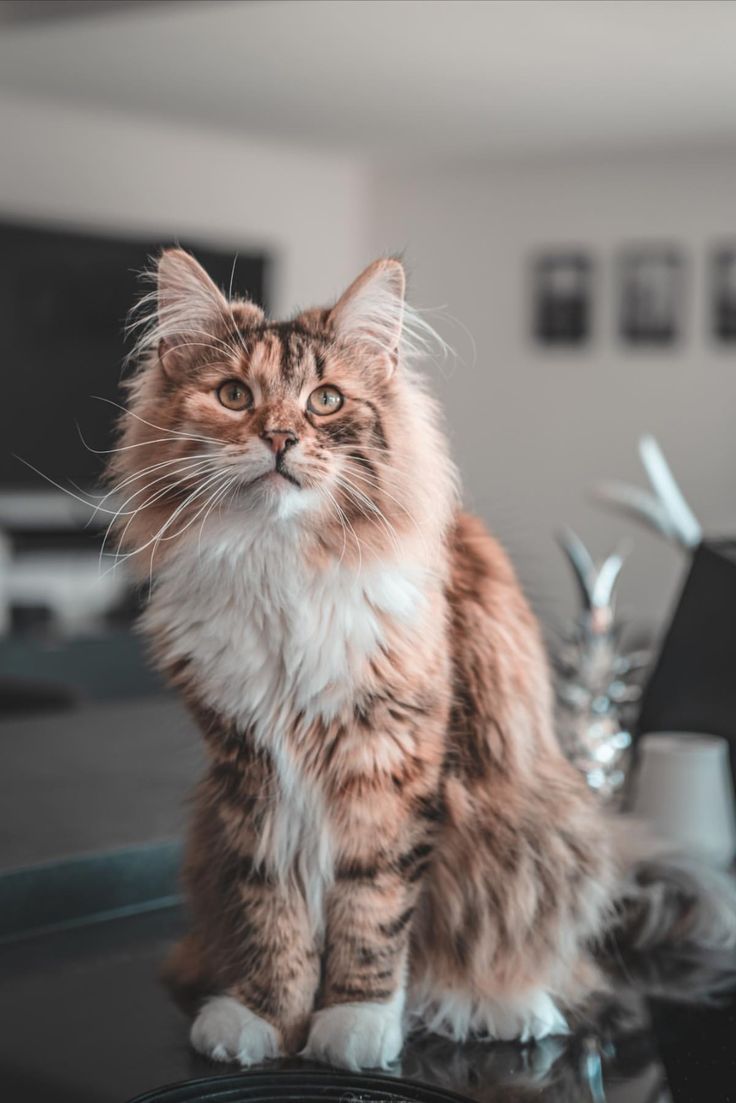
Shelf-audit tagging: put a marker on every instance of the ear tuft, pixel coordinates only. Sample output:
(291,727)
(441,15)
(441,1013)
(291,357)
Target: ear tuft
(181,313)
(371,311)
(186,295)
(184,313)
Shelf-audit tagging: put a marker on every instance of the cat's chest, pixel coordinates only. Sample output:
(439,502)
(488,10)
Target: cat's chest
(268,636)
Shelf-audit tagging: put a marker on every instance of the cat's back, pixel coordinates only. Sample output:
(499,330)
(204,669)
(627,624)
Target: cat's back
(501,675)
(482,575)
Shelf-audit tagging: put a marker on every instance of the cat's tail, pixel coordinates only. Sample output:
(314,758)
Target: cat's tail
(667,901)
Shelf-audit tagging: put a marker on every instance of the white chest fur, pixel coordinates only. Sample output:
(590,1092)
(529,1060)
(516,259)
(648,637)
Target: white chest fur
(267,637)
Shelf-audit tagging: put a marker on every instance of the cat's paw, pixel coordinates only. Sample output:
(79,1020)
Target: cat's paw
(527,1016)
(225,1030)
(356,1035)
(530,1018)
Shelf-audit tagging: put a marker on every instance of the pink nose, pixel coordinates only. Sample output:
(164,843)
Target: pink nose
(279,440)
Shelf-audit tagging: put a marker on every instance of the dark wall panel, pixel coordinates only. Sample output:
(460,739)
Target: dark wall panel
(64,298)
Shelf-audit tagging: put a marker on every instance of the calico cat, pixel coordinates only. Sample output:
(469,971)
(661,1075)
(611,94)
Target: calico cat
(387,833)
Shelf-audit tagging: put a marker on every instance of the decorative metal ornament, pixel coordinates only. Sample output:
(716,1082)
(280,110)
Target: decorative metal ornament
(598,686)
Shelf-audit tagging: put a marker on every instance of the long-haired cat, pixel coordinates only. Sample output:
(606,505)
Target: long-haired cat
(387,833)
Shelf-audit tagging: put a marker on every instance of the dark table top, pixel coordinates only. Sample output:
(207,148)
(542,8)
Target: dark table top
(83,1019)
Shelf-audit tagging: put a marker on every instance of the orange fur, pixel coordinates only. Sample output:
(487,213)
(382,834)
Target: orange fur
(446,845)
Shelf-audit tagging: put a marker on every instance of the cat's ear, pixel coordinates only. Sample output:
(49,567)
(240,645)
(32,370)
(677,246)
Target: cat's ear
(190,307)
(371,311)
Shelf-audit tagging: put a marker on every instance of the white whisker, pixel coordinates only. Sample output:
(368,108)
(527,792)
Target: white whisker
(217,497)
(198,468)
(346,525)
(63,489)
(160,428)
(213,484)
(375,513)
(159,535)
(376,484)
(182,461)
(122,447)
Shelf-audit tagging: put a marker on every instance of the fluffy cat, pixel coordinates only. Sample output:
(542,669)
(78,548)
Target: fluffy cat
(387,833)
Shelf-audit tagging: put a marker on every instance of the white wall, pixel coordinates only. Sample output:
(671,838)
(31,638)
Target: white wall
(534,430)
(97,168)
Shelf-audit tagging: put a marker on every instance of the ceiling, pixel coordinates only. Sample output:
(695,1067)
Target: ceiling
(473,78)
(30,11)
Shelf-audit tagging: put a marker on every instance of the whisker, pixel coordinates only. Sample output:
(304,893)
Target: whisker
(209,484)
(159,535)
(217,497)
(63,489)
(198,468)
(182,461)
(122,447)
(132,514)
(160,428)
(200,488)
(363,475)
(345,523)
(375,512)
(388,475)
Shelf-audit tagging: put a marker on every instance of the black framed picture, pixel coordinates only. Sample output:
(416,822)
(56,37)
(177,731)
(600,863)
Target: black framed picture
(562,298)
(723,293)
(651,295)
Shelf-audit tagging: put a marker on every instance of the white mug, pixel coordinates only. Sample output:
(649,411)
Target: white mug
(684,789)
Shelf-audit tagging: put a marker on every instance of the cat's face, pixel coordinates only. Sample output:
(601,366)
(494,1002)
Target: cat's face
(297,417)
(313,419)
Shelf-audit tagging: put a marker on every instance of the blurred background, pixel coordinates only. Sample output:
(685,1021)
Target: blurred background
(560,179)
(482,141)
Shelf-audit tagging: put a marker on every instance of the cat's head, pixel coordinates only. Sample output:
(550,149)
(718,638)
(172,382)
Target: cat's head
(317,422)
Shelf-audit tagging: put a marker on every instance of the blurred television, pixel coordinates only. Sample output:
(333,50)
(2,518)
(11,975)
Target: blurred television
(64,299)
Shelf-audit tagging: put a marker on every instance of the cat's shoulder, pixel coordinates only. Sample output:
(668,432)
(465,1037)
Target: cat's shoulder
(477,558)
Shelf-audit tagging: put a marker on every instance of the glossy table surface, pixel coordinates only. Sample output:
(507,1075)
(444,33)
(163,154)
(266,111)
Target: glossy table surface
(85,1020)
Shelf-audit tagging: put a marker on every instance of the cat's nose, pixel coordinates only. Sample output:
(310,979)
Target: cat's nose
(279,440)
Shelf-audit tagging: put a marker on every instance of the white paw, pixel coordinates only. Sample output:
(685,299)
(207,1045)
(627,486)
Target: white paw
(225,1030)
(526,1017)
(357,1035)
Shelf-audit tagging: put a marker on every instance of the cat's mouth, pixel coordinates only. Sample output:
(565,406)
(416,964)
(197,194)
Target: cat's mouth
(281,470)
(275,475)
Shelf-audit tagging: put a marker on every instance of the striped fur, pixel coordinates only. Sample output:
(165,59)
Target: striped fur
(387,831)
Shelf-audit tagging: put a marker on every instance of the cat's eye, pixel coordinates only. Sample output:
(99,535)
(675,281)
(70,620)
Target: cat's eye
(234,395)
(325,400)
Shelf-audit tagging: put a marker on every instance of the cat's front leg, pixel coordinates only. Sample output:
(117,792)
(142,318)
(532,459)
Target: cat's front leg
(370,909)
(272,971)
(254,935)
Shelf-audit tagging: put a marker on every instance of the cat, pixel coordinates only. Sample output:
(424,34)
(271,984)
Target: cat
(387,834)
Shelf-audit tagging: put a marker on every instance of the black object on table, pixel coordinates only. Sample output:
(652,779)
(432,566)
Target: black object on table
(303,1085)
(692,687)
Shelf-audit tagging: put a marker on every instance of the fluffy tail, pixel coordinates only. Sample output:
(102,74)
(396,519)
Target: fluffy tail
(668,902)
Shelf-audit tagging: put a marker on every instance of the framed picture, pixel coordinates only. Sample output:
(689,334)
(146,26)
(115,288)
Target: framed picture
(562,298)
(723,293)
(651,295)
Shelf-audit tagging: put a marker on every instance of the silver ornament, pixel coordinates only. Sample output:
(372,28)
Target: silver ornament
(598,685)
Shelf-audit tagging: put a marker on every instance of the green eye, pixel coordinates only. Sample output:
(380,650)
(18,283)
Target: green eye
(325,400)
(234,395)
